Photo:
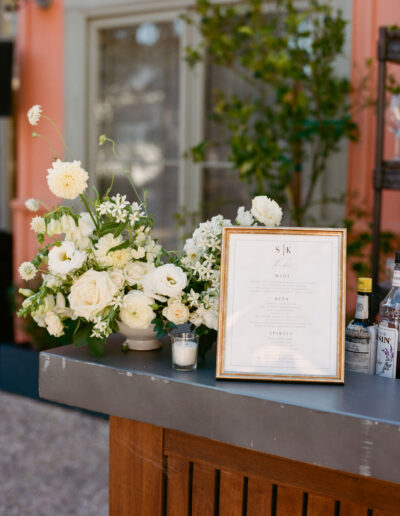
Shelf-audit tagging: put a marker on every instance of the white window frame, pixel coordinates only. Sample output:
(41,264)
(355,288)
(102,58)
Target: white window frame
(83,19)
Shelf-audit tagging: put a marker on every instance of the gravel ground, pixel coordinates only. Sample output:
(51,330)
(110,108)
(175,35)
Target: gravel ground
(53,461)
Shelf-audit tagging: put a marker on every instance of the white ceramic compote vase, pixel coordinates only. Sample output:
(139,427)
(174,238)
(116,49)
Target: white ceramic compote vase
(138,339)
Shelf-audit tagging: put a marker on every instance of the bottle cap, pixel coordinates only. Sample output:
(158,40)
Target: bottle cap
(397,257)
(364,285)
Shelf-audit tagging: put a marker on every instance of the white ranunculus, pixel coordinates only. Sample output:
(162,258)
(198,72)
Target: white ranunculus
(108,258)
(266,210)
(65,258)
(67,179)
(244,217)
(91,293)
(117,277)
(38,225)
(176,312)
(53,324)
(27,271)
(34,114)
(134,272)
(167,280)
(32,204)
(136,310)
(54,227)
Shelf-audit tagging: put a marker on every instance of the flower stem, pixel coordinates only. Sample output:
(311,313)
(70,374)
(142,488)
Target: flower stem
(52,149)
(89,211)
(60,135)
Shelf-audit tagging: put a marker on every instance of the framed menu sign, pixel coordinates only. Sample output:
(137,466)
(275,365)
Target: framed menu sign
(282,304)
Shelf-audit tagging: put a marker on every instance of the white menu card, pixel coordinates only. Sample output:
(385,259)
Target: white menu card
(282,304)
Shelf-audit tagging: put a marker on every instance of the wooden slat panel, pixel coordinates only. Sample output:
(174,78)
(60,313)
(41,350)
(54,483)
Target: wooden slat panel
(259,496)
(318,505)
(375,494)
(384,513)
(136,473)
(178,487)
(352,509)
(289,501)
(231,494)
(203,490)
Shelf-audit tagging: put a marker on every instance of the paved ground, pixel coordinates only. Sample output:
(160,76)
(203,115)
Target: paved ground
(53,461)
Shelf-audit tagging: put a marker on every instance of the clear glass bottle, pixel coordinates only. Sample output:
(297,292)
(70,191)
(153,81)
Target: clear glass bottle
(388,359)
(361,333)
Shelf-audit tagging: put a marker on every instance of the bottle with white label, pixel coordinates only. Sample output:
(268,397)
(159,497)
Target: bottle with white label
(361,333)
(388,349)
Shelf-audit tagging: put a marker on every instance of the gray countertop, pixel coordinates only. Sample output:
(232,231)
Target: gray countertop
(353,428)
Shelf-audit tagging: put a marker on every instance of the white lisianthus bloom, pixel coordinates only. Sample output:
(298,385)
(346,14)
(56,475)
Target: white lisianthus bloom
(27,271)
(80,236)
(32,204)
(26,292)
(167,280)
(67,179)
(68,225)
(65,258)
(52,282)
(196,318)
(134,272)
(54,227)
(107,258)
(117,277)
(38,225)
(176,312)
(138,253)
(244,217)
(53,324)
(266,210)
(34,114)
(136,311)
(91,293)
(47,305)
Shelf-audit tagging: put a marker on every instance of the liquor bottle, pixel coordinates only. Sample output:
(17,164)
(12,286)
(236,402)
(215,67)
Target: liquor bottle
(361,333)
(387,359)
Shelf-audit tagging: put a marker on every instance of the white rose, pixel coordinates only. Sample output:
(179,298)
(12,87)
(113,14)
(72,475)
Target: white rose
(65,258)
(266,210)
(117,278)
(243,217)
(136,310)
(54,324)
(176,312)
(134,272)
(91,293)
(167,280)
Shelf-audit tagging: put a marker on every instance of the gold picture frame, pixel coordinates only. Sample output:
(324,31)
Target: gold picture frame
(332,242)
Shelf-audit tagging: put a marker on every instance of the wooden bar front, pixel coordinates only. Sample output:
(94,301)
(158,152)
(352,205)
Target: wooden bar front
(156,471)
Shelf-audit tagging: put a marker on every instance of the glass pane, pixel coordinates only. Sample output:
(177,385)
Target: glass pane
(137,106)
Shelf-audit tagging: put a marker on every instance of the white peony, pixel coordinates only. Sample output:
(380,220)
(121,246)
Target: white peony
(53,324)
(167,280)
(244,217)
(117,277)
(32,204)
(67,179)
(65,258)
(27,271)
(176,312)
(134,272)
(34,114)
(117,258)
(54,227)
(136,310)
(91,293)
(266,210)
(38,225)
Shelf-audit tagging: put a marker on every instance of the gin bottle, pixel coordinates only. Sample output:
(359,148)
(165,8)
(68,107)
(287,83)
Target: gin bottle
(361,333)
(388,360)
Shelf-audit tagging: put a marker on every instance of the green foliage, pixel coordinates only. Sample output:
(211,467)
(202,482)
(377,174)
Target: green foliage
(298,110)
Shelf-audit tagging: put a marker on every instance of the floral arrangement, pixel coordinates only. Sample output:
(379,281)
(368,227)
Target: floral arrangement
(101,266)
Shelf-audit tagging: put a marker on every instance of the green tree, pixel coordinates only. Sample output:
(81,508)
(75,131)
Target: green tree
(281,135)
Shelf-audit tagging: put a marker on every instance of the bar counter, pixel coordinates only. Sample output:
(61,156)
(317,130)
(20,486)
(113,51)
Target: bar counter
(186,443)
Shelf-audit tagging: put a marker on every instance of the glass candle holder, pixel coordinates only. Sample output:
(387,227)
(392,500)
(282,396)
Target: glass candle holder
(184,351)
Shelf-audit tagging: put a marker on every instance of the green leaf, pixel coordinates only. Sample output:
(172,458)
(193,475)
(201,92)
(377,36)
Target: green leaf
(124,245)
(81,337)
(96,346)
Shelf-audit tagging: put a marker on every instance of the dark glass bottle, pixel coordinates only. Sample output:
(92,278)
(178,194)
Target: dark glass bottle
(361,333)
(388,359)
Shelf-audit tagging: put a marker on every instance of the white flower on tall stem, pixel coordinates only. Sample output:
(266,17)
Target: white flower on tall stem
(27,271)
(38,225)
(32,204)
(34,114)
(67,179)
(266,210)
(65,258)
(136,310)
